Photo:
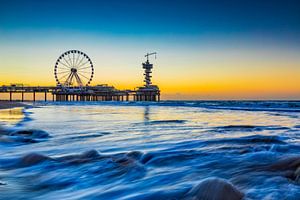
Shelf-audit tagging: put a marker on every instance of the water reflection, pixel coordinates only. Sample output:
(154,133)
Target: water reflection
(146,114)
(11,116)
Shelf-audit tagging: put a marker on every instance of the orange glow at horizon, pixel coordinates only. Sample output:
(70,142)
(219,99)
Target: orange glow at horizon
(181,73)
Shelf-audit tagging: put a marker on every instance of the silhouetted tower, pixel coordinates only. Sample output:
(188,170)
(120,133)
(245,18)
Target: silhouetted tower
(148,92)
(148,67)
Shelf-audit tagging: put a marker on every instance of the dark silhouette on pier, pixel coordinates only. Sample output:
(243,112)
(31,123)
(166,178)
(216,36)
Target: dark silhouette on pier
(74,72)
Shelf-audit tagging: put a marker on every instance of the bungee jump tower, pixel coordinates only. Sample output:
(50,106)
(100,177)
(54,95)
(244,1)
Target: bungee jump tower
(148,92)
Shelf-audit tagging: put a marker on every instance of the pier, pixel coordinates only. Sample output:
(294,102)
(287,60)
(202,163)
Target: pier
(73,73)
(88,93)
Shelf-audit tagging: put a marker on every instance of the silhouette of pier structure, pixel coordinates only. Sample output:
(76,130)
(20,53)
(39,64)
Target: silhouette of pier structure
(148,92)
(73,73)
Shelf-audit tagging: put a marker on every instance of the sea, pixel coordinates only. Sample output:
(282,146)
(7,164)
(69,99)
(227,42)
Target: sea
(149,150)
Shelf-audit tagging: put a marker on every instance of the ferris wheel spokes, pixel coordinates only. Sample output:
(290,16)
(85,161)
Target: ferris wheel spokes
(73,68)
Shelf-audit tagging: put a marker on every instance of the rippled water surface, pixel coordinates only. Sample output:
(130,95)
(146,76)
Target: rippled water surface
(111,150)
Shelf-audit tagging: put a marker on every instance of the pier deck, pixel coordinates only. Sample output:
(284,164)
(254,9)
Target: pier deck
(88,93)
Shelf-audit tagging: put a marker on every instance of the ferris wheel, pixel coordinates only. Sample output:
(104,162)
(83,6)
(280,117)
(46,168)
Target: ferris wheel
(73,69)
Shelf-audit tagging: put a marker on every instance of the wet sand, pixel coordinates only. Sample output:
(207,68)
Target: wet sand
(10,104)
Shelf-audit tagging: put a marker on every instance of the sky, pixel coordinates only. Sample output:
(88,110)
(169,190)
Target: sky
(234,49)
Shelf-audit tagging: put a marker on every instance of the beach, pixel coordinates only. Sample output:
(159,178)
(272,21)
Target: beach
(140,150)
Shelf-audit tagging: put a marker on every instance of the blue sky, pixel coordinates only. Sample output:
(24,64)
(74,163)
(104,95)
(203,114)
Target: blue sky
(269,18)
(221,49)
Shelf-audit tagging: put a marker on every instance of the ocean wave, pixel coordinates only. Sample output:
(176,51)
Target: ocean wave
(175,121)
(286,166)
(22,136)
(74,170)
(117,165)
(272,106)
(88,135)
(252,139)
(247,128)
(184,145)
(32,159)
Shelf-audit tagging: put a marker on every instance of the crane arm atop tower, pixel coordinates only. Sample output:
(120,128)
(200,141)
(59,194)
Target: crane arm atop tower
(149,54)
